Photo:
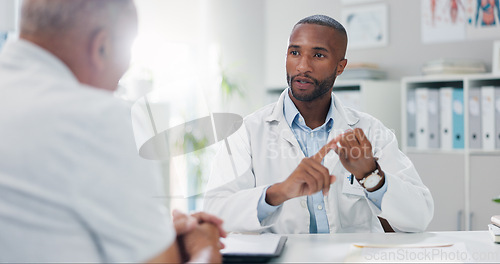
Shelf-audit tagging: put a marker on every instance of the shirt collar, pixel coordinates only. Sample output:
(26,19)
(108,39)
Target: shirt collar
(23,52)
(291,112)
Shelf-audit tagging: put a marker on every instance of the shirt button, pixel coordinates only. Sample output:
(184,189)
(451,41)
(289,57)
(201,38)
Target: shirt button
(312,134)
(320,207)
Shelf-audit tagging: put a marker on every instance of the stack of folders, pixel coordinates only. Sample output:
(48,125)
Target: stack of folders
(435,118)
(484,118)
(494,228)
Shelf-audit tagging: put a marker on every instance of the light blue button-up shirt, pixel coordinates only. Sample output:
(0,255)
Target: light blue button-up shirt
(311,141)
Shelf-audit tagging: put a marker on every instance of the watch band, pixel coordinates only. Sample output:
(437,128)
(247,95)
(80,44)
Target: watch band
(378,171)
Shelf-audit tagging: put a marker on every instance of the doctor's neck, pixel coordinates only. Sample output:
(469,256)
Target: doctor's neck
(313,111)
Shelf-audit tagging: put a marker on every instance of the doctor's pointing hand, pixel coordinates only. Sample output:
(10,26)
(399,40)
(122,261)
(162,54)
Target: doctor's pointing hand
(310,176)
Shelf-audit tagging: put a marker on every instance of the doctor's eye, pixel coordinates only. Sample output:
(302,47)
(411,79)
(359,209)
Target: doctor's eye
(319,55)
(294,53)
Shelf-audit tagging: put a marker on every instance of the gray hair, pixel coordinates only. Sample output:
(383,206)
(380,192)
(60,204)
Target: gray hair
(60,16)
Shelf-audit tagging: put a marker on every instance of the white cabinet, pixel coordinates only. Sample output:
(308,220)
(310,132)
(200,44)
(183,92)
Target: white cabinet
(380,99)
(462,180)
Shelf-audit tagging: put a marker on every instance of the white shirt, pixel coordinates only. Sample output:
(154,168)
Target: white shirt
(265,151)
(73,188)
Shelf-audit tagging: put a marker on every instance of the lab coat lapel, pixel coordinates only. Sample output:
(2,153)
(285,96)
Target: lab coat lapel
(285,132)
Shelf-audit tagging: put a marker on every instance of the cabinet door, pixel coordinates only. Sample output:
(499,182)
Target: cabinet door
(484,186)
(444,175)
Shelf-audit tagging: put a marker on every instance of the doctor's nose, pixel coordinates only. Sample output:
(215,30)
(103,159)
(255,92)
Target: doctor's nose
(304,65)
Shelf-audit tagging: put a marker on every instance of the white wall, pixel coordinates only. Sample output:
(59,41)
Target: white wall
(238,28)
(232,30)
(404,55)
(281,16)
(8,15)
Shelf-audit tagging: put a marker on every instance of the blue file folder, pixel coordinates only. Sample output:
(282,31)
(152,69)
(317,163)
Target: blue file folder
(458,118)
(411,119)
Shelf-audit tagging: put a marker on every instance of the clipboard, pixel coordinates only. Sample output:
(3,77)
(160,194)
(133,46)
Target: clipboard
(250,248)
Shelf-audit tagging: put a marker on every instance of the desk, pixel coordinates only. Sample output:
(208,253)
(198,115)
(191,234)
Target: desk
(339,247)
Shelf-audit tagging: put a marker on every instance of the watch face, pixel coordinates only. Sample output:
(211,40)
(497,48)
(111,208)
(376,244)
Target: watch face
(371,181)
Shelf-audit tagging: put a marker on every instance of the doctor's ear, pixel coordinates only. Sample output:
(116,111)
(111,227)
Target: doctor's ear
(98,49)
(341,67)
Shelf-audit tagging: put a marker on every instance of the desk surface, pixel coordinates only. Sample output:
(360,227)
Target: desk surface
(471,246)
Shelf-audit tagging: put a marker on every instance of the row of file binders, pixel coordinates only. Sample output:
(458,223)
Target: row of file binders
(435,118)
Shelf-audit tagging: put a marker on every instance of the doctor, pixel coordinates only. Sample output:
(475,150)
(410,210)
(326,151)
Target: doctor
(307,164)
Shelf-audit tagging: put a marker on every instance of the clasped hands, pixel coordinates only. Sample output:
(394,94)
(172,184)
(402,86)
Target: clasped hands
(198,236)
(355,153)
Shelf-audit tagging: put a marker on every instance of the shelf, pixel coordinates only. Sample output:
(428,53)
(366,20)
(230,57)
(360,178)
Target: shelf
(472,152)
(450,77)
(468,169)
(435,151)
(479,152)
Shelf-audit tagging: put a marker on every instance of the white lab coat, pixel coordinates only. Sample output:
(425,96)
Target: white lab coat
(265,151)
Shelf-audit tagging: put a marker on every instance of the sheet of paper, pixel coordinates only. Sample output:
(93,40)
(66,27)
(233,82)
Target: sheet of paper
(250,244)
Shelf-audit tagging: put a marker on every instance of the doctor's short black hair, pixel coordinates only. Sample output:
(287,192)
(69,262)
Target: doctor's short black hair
(323,21)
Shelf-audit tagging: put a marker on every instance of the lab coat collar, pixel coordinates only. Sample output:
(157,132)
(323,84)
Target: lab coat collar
(343,119)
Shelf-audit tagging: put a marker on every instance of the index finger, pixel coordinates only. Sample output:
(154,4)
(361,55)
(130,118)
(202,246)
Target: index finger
(324,150)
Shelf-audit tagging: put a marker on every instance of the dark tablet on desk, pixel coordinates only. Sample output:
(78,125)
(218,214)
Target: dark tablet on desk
(252,248)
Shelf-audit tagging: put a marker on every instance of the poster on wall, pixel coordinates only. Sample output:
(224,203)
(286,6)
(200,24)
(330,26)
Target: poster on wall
(483,19)
(443,21)
(366,26)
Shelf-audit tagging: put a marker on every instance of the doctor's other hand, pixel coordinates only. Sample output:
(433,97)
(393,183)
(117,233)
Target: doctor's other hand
(309,177)
(355,152)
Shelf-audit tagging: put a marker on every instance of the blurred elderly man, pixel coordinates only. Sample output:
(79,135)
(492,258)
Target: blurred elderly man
(73,186)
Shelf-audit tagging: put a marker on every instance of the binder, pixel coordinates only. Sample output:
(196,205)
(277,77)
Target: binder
(458,118)
(475,135)
(446,117)
(433,118)
(411,126)
(488,117)
(422,123)
(497,117)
